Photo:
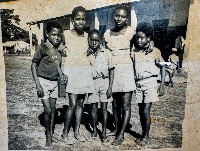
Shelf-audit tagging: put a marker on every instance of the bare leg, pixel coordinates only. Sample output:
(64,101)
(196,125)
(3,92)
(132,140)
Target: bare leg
(114,105)
(171,83)
(47,121)
(126,114)
(117,111)
(105,118)
(69,113)
(144,111)
(53,111)
(78,113)
(94,118)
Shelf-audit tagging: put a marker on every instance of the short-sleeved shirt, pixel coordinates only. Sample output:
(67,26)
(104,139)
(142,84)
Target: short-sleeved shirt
(47,58)
(100,63)
(119,44)
(145,63)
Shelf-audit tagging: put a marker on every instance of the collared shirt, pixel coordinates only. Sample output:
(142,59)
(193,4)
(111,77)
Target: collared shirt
(100,61)
(47,58)
(145,63)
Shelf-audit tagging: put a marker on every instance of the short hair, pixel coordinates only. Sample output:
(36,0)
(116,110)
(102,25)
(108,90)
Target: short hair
(121,6)
(53,24)
(76,10)
(145,28)
(94,31)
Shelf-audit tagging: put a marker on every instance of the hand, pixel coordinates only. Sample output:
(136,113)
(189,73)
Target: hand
(109,93)
(139,77)
(40,91)
(64,53)
(161,90)
(64,78)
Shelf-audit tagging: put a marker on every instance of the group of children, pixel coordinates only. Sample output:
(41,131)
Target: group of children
(98,70)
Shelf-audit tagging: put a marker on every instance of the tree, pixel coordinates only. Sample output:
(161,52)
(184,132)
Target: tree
(11,32)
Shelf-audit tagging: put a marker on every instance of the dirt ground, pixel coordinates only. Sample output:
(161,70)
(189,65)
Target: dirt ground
(26,131)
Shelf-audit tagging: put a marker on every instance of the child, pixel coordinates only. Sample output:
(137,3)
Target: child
(147,68)
(100,59)
(78,69)
(118,41)
(180,46)
(172,65)
(46,69)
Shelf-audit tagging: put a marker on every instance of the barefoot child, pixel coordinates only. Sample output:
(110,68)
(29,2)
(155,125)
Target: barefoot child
(100,59)
(147,69)
(78,69)
(46,69)
(118,41)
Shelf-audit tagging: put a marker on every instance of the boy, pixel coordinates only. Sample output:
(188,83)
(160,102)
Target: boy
(46,69)
(147,68)
(100,59)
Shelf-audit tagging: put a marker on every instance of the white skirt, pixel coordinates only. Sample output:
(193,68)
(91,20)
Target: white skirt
(123,78)
(80,79)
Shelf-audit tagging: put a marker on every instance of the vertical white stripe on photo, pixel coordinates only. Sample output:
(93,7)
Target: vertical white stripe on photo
(3,108)
(133,18)
(96,22)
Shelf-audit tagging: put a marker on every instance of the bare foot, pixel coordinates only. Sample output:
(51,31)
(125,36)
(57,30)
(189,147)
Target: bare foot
(94,135)
(67,140)
(117,141)
(48,140)
(143,141)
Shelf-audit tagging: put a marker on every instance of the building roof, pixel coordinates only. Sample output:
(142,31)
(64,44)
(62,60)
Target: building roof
(88,4)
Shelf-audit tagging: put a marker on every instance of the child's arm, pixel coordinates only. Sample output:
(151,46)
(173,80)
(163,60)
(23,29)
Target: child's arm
(40,91)
(161,90)
(111,78)
(62,76)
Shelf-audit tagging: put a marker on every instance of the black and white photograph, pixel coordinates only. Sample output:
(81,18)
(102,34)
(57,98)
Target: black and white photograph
(99,75)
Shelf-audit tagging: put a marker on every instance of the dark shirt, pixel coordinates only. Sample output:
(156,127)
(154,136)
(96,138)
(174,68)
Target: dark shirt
(47,59)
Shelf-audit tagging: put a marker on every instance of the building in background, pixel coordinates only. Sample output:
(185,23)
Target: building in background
(168,17)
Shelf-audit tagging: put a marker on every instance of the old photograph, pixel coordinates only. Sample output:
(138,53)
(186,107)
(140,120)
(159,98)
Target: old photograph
(96,75)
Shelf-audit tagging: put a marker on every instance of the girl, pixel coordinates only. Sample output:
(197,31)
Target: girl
(118,41)
(77,67)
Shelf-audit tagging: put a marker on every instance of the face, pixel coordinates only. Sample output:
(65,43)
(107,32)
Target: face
(54,37)
(94,41)
(120,17)
(142,39)
(79,20)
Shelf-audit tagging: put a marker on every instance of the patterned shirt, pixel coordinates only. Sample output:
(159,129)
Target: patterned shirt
(47,59)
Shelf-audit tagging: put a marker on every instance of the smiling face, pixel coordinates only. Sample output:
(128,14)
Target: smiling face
(142,39)
(79,20)
(120,18)
(54,37)
(94,41)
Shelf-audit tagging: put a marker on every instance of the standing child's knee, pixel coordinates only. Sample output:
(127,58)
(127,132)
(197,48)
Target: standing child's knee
(126,106)
(47,111)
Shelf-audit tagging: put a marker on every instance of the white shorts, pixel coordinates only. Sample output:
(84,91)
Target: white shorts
(146,91)
(100,89)
(49,87)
